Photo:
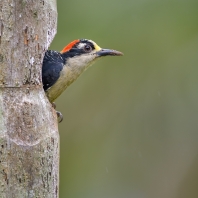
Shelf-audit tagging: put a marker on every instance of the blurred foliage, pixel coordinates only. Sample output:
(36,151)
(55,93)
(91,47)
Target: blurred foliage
(130,124)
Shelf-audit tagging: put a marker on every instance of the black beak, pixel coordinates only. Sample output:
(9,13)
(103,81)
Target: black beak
(108,52)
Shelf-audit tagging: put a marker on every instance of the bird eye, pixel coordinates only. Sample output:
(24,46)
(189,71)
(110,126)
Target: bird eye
(87,48)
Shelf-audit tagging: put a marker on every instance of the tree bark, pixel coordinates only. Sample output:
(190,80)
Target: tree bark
(29,138)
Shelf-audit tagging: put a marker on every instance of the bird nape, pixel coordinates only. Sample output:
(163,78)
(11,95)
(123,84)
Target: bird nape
(60,69)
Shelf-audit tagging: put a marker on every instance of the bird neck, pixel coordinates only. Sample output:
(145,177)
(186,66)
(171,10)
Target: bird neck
(78,64)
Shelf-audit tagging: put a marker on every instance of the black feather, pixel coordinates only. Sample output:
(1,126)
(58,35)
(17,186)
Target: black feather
(53,63)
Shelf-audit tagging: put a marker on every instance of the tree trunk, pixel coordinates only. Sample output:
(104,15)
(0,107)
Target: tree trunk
(29,138)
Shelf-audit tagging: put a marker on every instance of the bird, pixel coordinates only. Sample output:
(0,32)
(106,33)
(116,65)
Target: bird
(60,69)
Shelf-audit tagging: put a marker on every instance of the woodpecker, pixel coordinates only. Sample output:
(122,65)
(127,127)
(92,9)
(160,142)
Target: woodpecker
(60,69)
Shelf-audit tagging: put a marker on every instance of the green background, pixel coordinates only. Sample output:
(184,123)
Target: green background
(130,124)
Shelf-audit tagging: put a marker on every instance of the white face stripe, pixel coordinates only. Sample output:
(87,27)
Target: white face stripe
(81,45)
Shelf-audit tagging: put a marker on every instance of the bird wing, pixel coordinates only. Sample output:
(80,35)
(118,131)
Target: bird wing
(52,65)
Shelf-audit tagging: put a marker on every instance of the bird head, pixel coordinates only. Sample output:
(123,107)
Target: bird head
(61,69)
(81,53)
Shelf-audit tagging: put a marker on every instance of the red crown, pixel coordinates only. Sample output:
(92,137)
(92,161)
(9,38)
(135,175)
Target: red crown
(69,46)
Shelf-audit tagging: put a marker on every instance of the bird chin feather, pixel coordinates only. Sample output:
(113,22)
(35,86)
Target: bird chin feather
(81,63)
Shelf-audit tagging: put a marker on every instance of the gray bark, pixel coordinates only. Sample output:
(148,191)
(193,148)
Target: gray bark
(29,138)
